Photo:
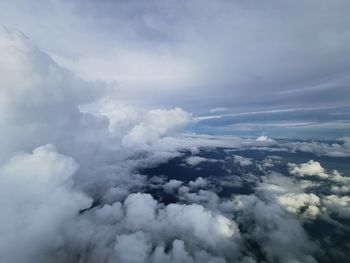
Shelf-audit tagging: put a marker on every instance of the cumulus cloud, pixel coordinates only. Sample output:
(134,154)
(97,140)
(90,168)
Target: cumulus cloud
(322,148)
(140,127)
(264,141)
(150,231)
(195,160)
(200,182)
(313,168)
(340,189)
(291,196)
(294,203)
(132,248)
(281,238)
(140,210)
(44,187)
(199,223)
(122,117)
(308,169)
(339,178)
(242,161)
(339,205)
(270,162)
(37,200)
(40,104)
(172,185)
(39,99)
(263,138)
(156,124)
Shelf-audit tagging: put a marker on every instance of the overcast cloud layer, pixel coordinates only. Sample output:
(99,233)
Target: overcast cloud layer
(289,61)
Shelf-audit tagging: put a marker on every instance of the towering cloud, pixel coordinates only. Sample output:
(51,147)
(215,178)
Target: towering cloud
(39,100)
(42,193)
(37,199)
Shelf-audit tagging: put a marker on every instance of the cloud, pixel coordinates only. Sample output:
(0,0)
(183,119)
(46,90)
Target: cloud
(281,237)
(172,185)
(242,161)
(150,231)
(200,182)
(156,124)
(136,125)
(345,139)
(37,200)
(290,195)
(263,138)
(167,46)
(39,101)
(294,203)
(122,117)
(72,189)
(132,248)
(220,109)
(195,221)
(308,169)
(41,104)
(321,148)
(140,210)
(339,205)
(115,194)
(338,178)
(195,160)
(340,189)
(313,168)
(177,254)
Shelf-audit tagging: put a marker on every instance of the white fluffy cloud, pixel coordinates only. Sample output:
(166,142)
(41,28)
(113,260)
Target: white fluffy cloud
(339,205)
(294,203)
(242,161)
(40,199)
(39,100)
(36,200)
(263,138)
(140,210)
(172,185)
(143,230)
(313,168)
(308,169)
(132,248)
(139,126)
(190,221)
(193,221)
(156,124)
(200,182)
(195,160)
(290,196)
(281,237)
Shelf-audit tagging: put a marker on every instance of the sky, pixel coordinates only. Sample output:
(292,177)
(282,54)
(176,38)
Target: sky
(287,62)
(95,93)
